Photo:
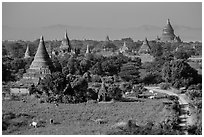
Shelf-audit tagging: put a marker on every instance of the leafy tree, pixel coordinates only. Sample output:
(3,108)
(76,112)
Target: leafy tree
(110,67)
(97,69)
(156,50)
(53,84)
(85,65)
(80,86)
(17,64)
(56,64)
(114,92)
(130,72)
(73,66)
(181,55)
(179,73)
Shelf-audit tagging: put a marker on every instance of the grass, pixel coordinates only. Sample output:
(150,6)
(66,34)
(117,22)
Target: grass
(79,118)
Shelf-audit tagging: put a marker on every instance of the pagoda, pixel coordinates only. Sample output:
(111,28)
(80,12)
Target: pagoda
(145,48)
(124,48)
(88,50)
(107,38)
(41,65)
(27,53)
(168,32)
(65,46)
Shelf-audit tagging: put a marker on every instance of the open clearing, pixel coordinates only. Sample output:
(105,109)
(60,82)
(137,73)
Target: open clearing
(79,118)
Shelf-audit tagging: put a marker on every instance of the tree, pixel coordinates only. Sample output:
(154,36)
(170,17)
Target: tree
(97,69)
(85,65)
(179,73)
(53,84)
(156,50)
(114,92)
(130,72)
(181,55)
(56,64)
(73,66)
(80,86)
(110,67)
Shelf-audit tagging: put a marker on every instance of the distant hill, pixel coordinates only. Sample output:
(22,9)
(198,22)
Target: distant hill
(78,32)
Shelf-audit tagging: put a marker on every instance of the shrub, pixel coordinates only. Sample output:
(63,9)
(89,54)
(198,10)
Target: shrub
(96,78)
(165,86)
(114,92)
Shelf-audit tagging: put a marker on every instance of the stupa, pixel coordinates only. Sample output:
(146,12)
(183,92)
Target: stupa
(41,65)
(65,46)
(88,50)
(124,48)
(145,48)
(27,53)
(168,32)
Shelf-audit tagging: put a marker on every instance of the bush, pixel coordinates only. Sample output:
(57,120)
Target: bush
(96,78)
(165,86)
(114,92)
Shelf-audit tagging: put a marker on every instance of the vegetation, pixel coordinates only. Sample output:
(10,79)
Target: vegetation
(77,78)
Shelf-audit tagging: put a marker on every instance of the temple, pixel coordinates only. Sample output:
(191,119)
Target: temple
(65,46)
(145,48)
(27,53)
(88,50)
(168,34)
(107,38)
(41,65)
(124,48)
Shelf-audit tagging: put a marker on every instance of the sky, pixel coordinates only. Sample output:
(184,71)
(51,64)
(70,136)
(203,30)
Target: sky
(101,15)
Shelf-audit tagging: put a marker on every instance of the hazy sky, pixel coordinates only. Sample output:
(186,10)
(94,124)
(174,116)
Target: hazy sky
(119,15)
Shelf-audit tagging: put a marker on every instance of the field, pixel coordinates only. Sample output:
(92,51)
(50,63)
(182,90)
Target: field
(79,118)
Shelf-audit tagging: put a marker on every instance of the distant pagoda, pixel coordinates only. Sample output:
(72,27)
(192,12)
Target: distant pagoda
(65,46)
(41,65)
(145,48)
(124,48)
(107,38)
(27,53)
(88,50)
(168,34)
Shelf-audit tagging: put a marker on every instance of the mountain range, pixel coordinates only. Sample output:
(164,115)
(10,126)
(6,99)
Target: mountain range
(56,32)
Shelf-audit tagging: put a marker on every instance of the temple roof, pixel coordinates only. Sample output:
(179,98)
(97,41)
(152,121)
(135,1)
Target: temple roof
(65,44)
(168,32)
(145,47)
(27,53)
(124,47)
(41,59)
(168,27)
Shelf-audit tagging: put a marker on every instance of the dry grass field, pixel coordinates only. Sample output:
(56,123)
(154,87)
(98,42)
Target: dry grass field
(78,118)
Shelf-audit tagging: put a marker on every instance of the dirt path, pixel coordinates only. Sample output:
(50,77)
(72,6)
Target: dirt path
(183,100)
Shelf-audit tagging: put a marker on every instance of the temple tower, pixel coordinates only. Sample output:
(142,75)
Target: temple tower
(27,53)
(41,65)
(124,48)
(107,38)
(145,48)
(88,50)
(168,32)
(65,46)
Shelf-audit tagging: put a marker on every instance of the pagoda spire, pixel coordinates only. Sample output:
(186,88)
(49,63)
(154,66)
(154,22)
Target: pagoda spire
(27,53)
(65,44)
(168,21)
(41,59)
(88,49)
